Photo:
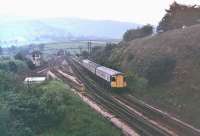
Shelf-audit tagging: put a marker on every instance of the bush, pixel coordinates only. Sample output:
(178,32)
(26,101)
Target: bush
(29,63)
(13,65)
(135,82)
(8,82)
(46,109)
(41,107)
(160,70)
(85,54)
(138,33)
(4,118)
(101,55)
(19,56)
(18,128)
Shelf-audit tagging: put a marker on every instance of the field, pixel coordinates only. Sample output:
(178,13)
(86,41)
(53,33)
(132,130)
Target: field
(73,47)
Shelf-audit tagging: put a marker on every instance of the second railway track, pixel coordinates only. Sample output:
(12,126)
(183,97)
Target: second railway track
(100,96)
(142,118)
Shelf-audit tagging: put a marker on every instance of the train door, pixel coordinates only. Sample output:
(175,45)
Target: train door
(113,81)
(120,81)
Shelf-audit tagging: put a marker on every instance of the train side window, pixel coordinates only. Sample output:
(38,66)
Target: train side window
(113,79)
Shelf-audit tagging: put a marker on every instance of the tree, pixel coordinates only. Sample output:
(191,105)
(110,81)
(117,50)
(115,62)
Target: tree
(41,47)
(179,16)
(85,54)
(138,33)
(13,49)
(12,66)
(19,56)
(1,50)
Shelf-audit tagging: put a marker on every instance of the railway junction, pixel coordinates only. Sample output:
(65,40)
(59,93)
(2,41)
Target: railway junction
(134,117)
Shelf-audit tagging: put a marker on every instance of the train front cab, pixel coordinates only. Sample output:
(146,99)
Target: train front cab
(118,81)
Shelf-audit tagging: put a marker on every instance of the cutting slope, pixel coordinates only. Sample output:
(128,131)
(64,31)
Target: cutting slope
(180,94)
(181,44)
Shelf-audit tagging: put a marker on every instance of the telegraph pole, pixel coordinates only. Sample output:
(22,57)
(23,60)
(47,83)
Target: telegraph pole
(89,47)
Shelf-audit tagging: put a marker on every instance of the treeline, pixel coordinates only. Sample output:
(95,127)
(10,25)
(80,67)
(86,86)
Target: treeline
(132,34)
(177,16)
(13,65)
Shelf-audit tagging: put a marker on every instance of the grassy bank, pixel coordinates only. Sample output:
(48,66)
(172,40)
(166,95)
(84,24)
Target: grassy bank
(163,70)
(80,120)
(48,109)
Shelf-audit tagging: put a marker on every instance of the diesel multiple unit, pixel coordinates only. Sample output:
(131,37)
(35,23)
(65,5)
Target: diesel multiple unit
(113,77)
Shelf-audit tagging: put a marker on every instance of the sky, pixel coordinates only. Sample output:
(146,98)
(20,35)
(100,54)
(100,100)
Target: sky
(137,11)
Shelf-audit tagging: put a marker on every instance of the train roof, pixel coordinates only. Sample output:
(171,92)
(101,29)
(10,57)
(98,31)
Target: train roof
(91,62)
(86,61)
(109,71)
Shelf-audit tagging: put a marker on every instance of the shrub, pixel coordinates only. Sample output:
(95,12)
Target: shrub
(7,82)
(39,108)
(19,56)
(13,65)
(160,70)
(135,82)
(101,55)
(29,63)
(18,128)
(138,33)
(4,118)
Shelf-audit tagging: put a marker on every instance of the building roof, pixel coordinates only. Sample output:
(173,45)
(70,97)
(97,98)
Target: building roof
(34,79)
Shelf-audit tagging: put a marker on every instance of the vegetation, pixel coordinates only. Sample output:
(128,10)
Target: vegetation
(84,54)
(13,65)
(21,56)
(135,82)
(1,50)
(101,55)
(179,16)
(138,33)
(81,121)
(41,47)
(80,45)
(162,70)
(46,109)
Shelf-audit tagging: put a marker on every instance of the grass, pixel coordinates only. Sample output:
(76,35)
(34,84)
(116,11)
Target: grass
(76,44)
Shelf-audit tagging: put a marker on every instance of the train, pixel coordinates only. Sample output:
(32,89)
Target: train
(113,78)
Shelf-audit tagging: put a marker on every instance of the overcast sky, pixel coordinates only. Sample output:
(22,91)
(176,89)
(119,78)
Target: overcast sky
(139,11)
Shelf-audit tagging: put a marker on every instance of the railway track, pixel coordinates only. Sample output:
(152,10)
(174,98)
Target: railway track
(164,119)
(106,100)
(143,118)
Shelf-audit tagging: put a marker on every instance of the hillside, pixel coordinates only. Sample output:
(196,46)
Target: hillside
(26,30)
(182,44)
(170,63)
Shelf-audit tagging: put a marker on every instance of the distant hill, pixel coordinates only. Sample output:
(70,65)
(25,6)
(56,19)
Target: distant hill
(26,30)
